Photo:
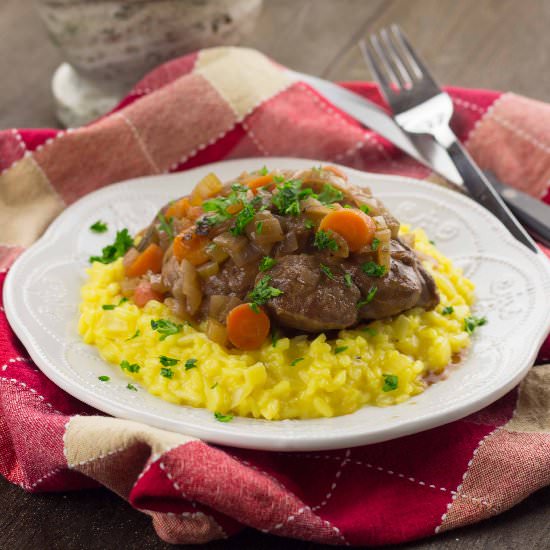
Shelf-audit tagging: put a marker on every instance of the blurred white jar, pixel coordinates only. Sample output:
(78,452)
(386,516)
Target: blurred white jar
(109,45)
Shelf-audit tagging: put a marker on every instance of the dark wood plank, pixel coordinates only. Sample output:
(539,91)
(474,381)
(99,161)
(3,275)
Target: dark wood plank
(500,44)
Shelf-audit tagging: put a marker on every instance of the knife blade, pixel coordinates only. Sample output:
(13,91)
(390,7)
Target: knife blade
(425,150)
(370,115)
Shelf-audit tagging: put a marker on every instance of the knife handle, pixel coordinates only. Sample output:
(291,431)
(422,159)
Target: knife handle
(484,193)
(531,212)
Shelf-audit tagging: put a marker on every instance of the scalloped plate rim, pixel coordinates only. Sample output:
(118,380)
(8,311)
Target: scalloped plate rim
(236,433)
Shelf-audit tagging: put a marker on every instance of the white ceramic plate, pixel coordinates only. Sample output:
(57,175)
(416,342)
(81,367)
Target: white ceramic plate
(41,298)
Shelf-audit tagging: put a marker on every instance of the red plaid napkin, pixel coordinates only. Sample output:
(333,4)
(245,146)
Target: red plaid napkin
(226,103)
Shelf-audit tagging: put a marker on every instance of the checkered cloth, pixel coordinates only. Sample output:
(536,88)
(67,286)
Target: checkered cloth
(226,103)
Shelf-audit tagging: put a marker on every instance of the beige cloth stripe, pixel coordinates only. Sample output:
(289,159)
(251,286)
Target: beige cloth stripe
(533,408)
(244,78)
(28,203)
(495,479)
(89,438)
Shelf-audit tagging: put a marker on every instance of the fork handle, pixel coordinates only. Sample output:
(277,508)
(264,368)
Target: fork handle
(485,194)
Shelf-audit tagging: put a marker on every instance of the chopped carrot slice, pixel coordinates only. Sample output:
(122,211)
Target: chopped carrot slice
(149,260)
(355,226)
(336,171)
(246,328)
(144,293)
(178,209)
(260,181)
(192,247)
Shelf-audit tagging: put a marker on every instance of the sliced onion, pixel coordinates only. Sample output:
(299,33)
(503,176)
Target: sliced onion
(220,305)
(157,283)
(216,253)
(177,307)
(271,231)
(288,245)
(191,287)
(238,247)
(343,247)
(317,213)
(127,286)
(216,332)
(209,186)
(383,256)
(208,269)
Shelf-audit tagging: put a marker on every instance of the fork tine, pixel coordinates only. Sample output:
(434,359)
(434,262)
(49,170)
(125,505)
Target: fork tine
(405,79)
(380,77)
(386,64)
(415,62)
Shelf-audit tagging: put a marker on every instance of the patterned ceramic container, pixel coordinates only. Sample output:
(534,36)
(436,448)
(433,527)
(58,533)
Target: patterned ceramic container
(110,44)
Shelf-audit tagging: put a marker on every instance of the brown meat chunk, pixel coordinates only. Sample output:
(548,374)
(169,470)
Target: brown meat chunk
(407,285)
(311,301)
(232,280)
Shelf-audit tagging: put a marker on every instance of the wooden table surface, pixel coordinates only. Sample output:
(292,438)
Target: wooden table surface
(501,44)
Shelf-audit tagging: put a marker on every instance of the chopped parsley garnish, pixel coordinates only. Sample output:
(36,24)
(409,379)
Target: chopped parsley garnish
(369,297)
(112,306)
(447,310)
(372,269)
(266,263)
(431,242)
(167,225)
(110,253)
(263,171)
(131,387)
(347,205)
(364,208)
(323,241)
(308,224)
(275,336)
(243,218)
(330,194)
(214,385)
(370,331)
(259,227)
(165,328)
(296,361)
(326,270)
(98,227)
(375,244)
(287,199)
(347,279)
(340,349)
(223,417)
(263,292)
(167,372)
(391,381)
(135,335)
(104,378)
(277,178)
(168,361)
(125,365)
(472,322)
(220,205)
(190,364)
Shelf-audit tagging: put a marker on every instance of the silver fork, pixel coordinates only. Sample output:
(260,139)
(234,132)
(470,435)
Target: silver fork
(421,107)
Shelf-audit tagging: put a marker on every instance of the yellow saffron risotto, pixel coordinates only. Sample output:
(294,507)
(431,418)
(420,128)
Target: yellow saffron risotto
(382,363)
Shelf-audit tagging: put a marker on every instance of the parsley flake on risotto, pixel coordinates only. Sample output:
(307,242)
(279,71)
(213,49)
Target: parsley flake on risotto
(279,294)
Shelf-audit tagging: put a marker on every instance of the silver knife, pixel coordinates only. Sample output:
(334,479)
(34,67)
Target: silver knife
(370,115)
(533,213)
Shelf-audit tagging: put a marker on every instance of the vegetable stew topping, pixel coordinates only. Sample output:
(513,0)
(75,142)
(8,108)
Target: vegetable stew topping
(273,250)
